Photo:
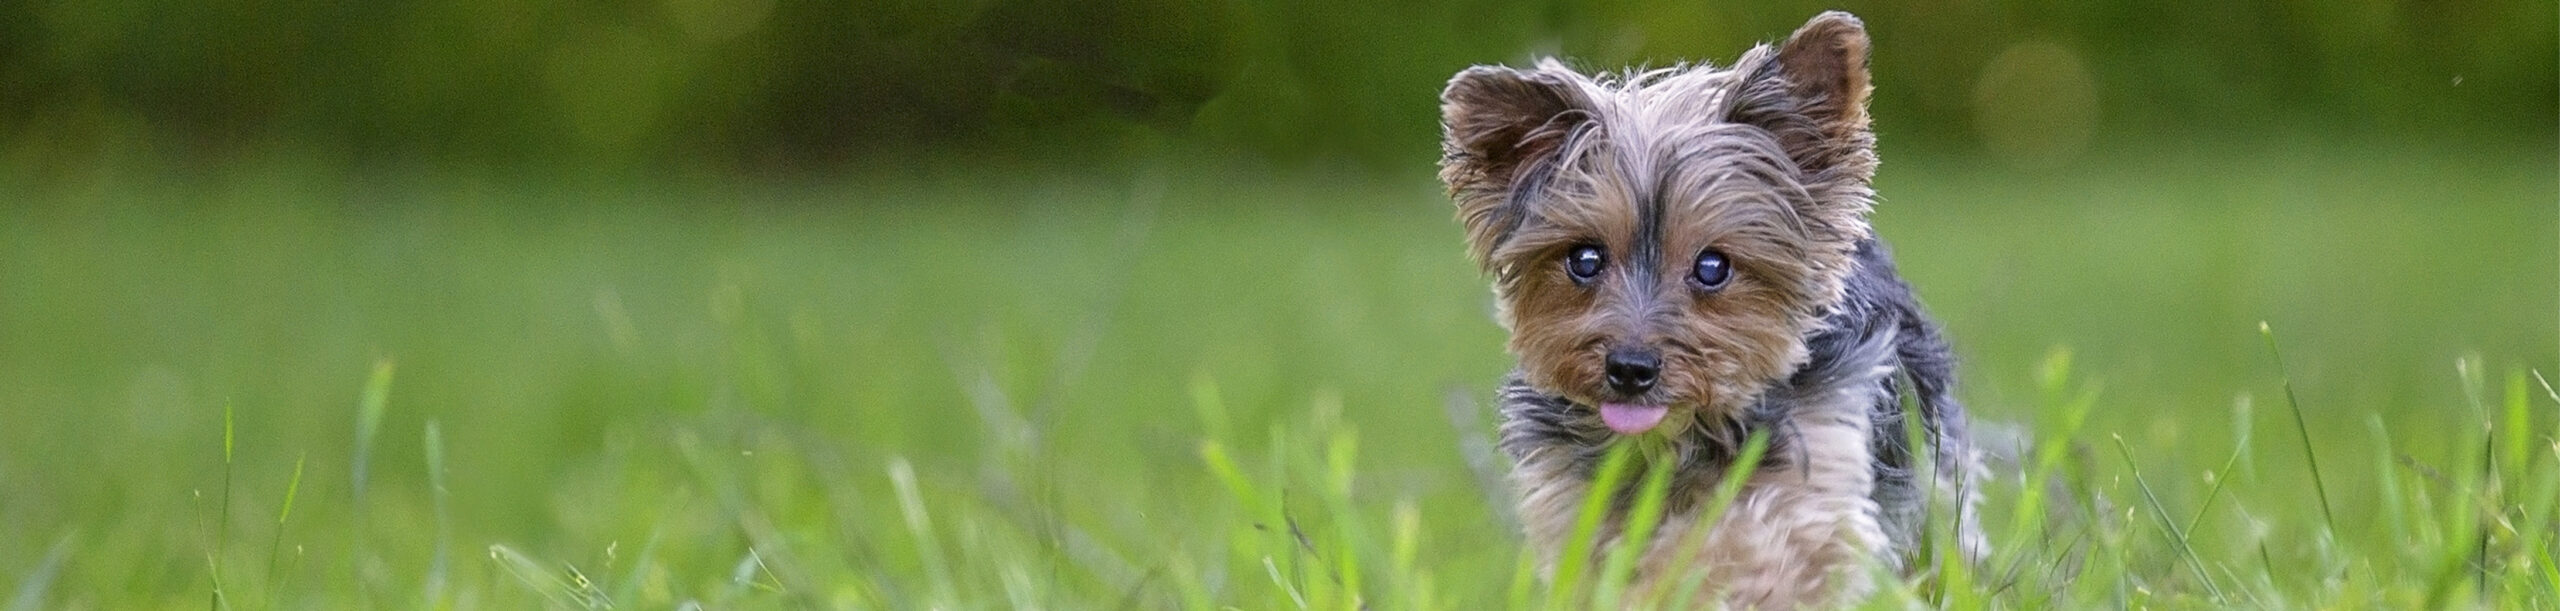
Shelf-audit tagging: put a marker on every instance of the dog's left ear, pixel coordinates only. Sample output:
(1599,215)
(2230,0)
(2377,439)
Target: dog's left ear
(1504,127)
(1813,97)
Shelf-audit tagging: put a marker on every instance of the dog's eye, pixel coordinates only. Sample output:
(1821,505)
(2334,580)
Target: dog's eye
(1713,270)
(1584,262)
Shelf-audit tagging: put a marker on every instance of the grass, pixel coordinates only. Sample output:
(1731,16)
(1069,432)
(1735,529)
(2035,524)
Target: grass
(1219,389)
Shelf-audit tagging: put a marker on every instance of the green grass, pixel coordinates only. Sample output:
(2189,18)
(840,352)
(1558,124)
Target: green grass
(1215,389)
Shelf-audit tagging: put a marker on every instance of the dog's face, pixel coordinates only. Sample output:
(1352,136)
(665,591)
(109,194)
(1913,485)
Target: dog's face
(1661,242)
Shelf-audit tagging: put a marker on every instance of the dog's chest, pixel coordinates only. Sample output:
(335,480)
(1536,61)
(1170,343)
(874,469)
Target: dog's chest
(1797,528)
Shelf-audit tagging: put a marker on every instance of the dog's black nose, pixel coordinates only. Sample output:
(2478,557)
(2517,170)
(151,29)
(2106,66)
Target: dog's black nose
(1631,371)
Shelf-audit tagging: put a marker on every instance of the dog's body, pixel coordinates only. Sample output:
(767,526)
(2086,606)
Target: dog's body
(1683,258)
(1838,484)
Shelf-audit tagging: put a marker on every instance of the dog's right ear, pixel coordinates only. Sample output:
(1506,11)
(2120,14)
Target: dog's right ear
(1503,130)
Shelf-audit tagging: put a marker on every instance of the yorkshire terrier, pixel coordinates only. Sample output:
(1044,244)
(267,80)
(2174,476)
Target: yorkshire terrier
(1683,260)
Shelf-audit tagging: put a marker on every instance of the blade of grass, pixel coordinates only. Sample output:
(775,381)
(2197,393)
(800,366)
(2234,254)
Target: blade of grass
(1190,587)
(1576,557)
(586,589)
(1728,488)
(1205,401)
(369,412)
(2465,539)
(1524,577)
(1320,592)
(285,583)
(2220,477)
(2533,531)
(222,524)
(1223,467)
(1953,571)
(2517,429)
(749,574)
(2393,499)
(2546,386)
(32,588)
(2030,513)
(2550,573)
(370,407)
(1639,528)
(1341,455)
(1274,571)
(440,563)
(629,588)
(2319,484)
(902,477)
(2161,512)
(1404,543)
(291,489)
(552,588)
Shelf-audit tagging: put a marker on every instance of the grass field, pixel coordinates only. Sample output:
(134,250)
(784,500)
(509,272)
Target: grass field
(279,387)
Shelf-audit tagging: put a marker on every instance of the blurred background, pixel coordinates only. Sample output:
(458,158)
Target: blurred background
(960,303)
(761,87)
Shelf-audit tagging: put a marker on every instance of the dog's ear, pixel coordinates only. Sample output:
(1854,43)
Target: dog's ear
(1503,129)
(1813,97)
(1826,67)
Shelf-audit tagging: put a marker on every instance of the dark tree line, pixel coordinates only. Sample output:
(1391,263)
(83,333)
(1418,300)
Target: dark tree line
(764,83)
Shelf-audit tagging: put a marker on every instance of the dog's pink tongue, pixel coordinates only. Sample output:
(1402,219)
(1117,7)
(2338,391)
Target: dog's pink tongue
(1629,419)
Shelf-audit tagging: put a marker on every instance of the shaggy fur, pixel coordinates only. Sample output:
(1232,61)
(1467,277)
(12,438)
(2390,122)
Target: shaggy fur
(1815,339)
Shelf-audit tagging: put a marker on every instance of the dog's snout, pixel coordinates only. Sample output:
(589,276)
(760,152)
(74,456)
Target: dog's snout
(1632,371)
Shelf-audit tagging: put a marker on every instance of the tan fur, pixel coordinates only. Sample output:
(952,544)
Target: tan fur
(1796,536)
(1801,535)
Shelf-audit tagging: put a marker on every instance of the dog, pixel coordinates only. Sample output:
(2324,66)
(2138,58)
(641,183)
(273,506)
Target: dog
(1683,260)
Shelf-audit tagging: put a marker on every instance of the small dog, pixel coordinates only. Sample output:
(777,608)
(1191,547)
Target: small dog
(1683,259)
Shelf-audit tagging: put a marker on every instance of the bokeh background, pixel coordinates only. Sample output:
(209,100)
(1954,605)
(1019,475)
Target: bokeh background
(896,303)
(760,87)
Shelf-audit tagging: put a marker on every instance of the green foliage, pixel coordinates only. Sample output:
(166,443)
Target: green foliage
(1199,388)
(764,85)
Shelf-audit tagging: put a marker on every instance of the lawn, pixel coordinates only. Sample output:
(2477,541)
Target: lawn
(280,386)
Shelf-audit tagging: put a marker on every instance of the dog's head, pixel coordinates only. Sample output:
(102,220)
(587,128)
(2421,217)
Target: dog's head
(1662,241)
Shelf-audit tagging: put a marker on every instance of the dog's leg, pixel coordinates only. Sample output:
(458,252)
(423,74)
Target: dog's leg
(1959,470)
